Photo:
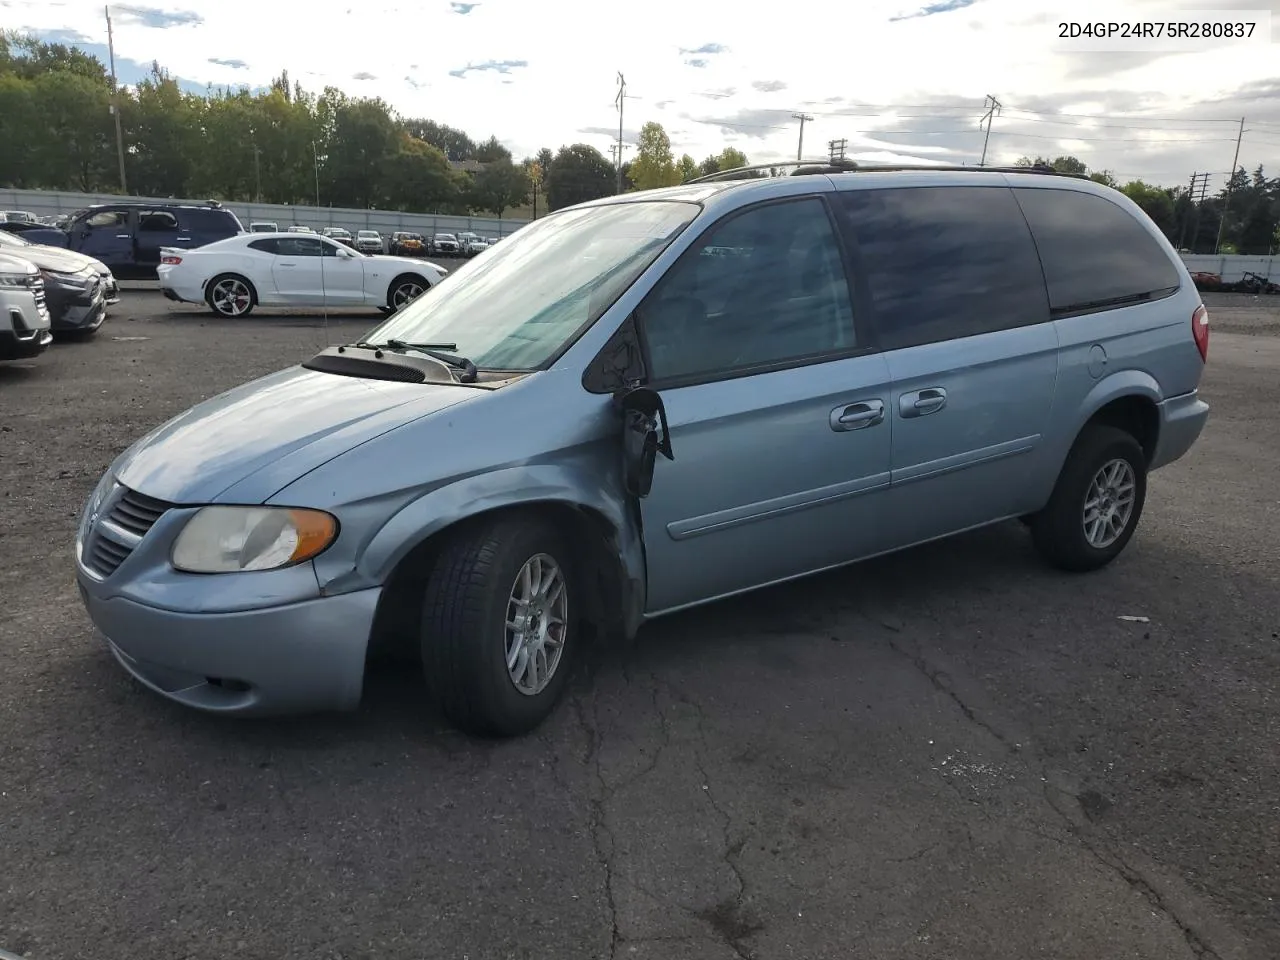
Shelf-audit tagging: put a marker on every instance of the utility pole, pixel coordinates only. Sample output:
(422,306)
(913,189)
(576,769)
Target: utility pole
(316,154)
(115,101)
(993,108)
(621,98)
(803,118)
(1199,186)
(257,175)
(1226,203)
(836,148)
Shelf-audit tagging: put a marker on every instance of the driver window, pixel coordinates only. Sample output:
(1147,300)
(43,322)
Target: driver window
(107,218)
(763,287)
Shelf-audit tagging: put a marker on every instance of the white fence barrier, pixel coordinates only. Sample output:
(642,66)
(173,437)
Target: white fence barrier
(48,203)
(1232,268)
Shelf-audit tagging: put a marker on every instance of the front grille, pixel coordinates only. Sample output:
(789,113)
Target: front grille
(134,513)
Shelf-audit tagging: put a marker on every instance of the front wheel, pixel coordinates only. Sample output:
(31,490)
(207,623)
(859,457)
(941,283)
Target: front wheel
(1096,503)
(404,290)
(498,634)
(231,296)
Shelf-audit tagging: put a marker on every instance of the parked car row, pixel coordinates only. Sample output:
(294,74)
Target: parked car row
(288,269)
(48,292)
(127,236)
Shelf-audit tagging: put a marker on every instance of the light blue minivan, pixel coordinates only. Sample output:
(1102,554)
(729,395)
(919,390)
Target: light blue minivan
(643,403)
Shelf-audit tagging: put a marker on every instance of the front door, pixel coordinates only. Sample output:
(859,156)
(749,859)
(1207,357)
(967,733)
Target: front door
(344,275)
(778,413)
(960,308)
(296,269)
(107,235)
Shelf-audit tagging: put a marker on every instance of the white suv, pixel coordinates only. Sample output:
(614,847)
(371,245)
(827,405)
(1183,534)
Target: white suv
(368,241)
(24,318)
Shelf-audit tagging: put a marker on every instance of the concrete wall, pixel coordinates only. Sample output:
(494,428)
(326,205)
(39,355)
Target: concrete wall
(1232,268)
(45,203)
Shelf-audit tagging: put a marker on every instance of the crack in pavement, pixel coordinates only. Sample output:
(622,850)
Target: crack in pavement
(599,821)
(1110,859)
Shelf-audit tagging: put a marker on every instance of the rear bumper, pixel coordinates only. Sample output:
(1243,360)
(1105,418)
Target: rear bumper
(289,659)
(1182,419)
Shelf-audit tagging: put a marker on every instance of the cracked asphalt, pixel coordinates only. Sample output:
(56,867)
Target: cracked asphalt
(949,753)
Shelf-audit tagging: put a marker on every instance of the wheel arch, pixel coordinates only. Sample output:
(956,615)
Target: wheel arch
(607,554)
(1128,400)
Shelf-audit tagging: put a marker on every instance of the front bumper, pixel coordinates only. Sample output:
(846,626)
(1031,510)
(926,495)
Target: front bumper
(76,311)
(24,323)
(295,658)
(110,290)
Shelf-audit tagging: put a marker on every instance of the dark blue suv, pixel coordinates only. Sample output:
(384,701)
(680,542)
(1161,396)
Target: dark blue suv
(127,236)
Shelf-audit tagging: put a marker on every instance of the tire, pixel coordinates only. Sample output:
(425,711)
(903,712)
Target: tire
(465,638)
(397,293)
(229,283)
(1059,530)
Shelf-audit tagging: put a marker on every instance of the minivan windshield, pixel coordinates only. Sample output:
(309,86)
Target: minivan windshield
(513,308)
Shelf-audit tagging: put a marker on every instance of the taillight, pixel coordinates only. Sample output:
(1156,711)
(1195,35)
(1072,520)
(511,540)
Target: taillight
(171,258)
(1200,330)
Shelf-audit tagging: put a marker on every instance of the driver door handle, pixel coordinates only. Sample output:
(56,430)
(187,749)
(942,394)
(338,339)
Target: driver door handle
(920,403)
(857,416)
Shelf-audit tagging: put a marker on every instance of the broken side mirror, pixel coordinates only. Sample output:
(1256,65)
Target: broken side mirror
(644,435)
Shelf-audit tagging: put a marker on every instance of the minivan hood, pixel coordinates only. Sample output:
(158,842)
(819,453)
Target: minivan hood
(248,443)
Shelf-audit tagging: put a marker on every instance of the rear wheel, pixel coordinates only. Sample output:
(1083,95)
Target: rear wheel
(498,636)
(1096,503)
(231,296)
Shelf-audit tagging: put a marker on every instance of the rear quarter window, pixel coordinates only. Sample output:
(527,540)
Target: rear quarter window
(943,263)
(1095,253)
(220,223)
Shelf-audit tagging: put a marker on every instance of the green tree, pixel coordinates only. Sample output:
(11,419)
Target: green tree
(688,168)
(491,151)
(419,178)
(579,173)
(654,165)
(455,144)
(731,158)
(499,186)
(1155,202)
(72,141)
(162,136)
(364,139)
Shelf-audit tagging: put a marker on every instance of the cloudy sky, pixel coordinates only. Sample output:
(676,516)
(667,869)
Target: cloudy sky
(896,80)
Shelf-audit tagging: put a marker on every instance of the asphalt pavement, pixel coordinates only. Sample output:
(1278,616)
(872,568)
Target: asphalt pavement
(954,752)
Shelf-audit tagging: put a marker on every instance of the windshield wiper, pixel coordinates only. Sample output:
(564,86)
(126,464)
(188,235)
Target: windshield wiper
(433,350)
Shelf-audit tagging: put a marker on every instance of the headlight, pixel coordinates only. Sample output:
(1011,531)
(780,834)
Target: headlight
(71,281)
(17,280)
(232,539)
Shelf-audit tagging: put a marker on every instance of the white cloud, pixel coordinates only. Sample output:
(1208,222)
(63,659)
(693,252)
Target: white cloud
(936,67)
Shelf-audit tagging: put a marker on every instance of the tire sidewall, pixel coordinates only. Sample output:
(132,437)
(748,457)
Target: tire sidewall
(513,711)
(1067,526)
(253,296)
(397,283)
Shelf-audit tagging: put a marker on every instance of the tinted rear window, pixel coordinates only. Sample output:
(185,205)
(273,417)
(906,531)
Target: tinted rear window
(219,222)
(945,262)
(1095,253)
(266,246)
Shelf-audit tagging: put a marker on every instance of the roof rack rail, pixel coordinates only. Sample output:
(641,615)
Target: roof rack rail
(802,167)
(809,167)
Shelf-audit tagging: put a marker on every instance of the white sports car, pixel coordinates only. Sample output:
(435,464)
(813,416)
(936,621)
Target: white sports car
(290,270)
